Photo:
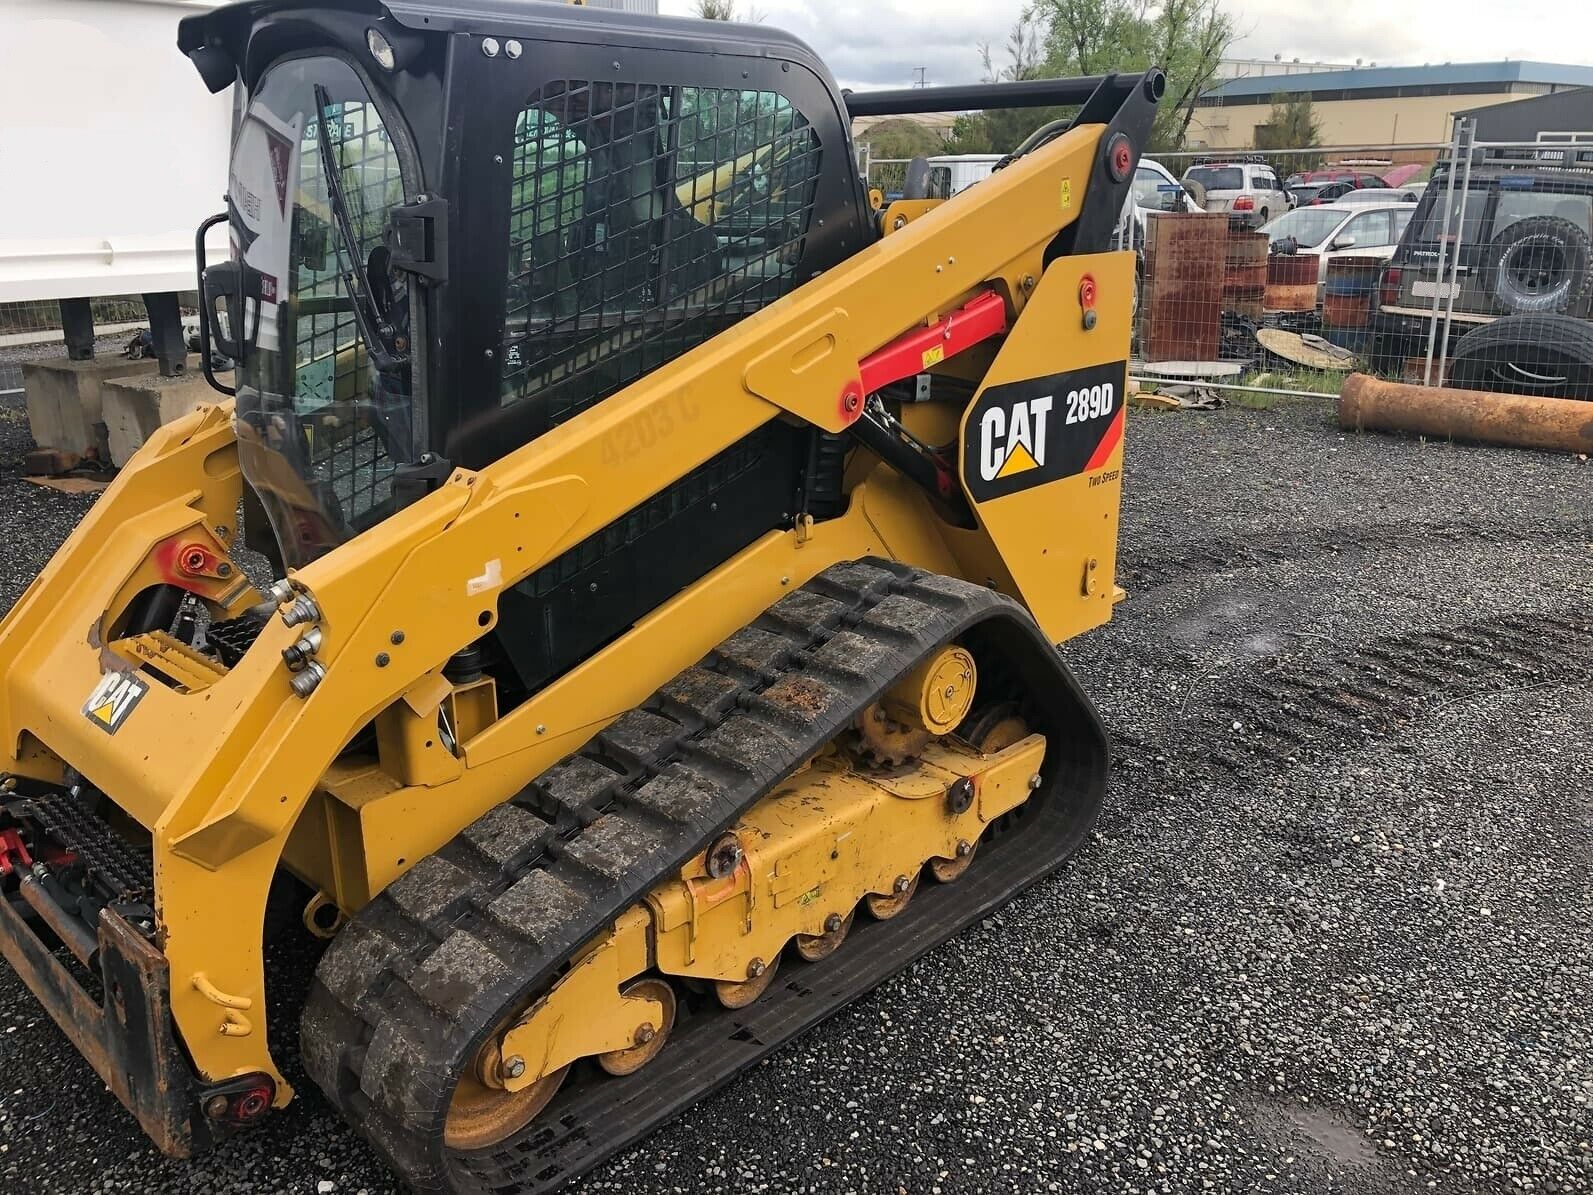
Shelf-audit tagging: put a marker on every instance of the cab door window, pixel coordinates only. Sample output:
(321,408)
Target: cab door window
(322,429)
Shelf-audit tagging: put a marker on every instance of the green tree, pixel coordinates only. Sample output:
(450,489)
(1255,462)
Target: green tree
(1292,124)
(727,10)
(1186,38)
(900,137)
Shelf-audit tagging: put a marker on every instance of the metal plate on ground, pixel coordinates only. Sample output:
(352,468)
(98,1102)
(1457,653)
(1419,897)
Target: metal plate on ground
(1191,369)
(1185,259)
(1310,351)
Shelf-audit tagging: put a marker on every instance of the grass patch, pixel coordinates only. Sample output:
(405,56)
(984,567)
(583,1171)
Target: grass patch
(1251,400)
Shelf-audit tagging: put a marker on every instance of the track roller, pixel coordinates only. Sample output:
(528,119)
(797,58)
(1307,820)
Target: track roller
(883,908)
(738,995)
(813,947)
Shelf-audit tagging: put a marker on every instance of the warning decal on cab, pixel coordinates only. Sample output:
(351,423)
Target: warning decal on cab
(113,699)
(1040,430)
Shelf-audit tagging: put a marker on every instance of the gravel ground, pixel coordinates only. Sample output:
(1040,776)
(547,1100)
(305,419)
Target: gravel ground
(1331,935)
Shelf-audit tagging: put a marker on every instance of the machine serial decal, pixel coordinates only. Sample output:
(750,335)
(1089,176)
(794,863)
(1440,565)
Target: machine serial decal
(1041,430)
(113,699)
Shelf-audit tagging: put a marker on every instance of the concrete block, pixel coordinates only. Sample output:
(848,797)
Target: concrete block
(65,401)
(136,406)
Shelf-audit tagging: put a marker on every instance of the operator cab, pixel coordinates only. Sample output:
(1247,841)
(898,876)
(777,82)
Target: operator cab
(455,227)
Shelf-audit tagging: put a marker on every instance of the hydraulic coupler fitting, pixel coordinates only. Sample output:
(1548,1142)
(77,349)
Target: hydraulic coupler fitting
(306,681)
(301,609)
(297,655)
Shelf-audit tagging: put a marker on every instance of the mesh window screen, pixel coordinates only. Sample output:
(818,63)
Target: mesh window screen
(645,219)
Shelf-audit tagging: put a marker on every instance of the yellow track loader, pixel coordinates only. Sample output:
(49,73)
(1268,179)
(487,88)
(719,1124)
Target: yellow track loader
(617,591)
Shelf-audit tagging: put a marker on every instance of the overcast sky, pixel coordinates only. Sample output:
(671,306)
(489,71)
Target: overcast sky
(878,43)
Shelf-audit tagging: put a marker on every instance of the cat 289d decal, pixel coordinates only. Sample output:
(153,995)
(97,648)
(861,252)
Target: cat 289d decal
(1041,430)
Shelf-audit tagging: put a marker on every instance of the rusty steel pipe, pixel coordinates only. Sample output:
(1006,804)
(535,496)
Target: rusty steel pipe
(72,932)
(1550,424)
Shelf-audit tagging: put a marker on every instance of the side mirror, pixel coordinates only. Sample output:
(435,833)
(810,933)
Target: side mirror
(1342,243)
(231,296)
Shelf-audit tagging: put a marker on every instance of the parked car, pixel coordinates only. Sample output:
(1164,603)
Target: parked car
(1329,186)
(1401,176)
(1381,195)
(1341,230)
(1303,194)
(1250,190)
(1333,192)
(1336,174)
(1520,240)
(1154,190)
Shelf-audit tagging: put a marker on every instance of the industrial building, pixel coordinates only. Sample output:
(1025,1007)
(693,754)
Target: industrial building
(1389,105)
(1565,116)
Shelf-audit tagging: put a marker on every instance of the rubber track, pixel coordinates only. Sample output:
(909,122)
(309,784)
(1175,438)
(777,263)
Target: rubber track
(419,978)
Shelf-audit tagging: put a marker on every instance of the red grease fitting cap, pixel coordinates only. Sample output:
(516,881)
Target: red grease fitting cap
(851,404)
(1087,291)
(1120,157)
(193,560)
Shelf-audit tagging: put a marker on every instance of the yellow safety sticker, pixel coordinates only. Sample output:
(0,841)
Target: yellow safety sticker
(1067,193)
(934,356)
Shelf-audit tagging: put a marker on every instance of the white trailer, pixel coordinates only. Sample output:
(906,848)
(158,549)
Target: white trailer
(963,170)
(113,150)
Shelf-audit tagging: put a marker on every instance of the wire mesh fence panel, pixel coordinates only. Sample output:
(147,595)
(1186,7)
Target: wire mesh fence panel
(1503,266)
(32,329)
(1474,269)
(888,175)
(1277,291)
(37,320)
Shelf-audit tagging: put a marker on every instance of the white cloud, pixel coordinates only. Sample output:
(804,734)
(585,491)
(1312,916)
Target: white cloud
(1413,32)
(879,43)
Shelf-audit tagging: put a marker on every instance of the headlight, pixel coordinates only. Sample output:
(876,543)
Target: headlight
(381,49)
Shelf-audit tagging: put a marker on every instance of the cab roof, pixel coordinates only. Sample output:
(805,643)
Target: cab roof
(228,28)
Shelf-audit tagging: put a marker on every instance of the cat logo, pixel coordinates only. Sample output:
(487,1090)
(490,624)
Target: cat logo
(1012,439)
(1034,431)
(115,697)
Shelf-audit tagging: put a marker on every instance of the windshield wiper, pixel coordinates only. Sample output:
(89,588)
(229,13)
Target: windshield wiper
(377,334)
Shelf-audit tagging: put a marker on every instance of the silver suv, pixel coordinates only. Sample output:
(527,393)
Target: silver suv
(1250,190)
